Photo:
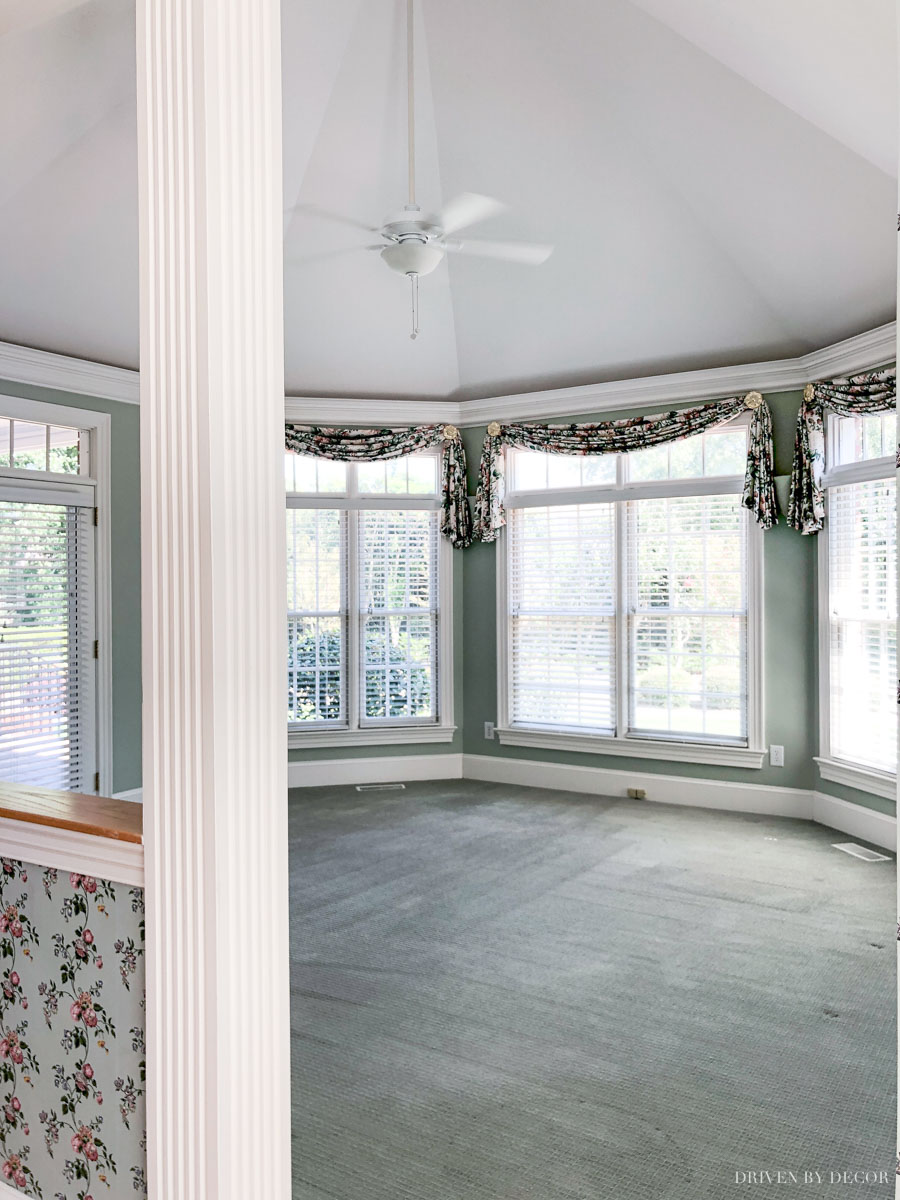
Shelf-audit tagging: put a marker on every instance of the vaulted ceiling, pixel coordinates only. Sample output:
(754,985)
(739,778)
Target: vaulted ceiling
(718,178)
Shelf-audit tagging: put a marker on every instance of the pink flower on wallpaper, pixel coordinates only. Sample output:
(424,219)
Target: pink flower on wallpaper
(88,937)
(89,883)
(14,978)
(9,1048)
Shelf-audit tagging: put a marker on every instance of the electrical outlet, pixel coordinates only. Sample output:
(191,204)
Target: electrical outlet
(489,730)
(776,756)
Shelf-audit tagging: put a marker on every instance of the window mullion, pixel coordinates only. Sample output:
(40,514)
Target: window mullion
(354,620)
(623,618)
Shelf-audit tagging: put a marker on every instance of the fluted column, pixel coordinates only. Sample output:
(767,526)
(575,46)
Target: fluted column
(213,594)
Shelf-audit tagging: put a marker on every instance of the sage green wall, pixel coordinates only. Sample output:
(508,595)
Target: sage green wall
(790,630)
(125,517)
(789,635)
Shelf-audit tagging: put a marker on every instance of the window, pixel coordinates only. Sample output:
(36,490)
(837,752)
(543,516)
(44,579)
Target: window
(628,608)
(858,565)
(368,602)
(48,686)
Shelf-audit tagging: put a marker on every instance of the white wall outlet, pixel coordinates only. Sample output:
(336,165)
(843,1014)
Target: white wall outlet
(776,756)
(489,730)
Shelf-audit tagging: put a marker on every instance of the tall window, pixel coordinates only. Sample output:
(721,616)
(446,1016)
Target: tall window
(859,571)
(368,575)
(47,668)
(629,595)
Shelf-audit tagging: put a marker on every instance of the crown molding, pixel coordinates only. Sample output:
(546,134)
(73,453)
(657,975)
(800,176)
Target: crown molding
(874,348)
(866,350)
(40,368)
(320,410)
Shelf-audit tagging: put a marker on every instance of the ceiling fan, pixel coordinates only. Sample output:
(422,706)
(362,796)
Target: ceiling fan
(413,242)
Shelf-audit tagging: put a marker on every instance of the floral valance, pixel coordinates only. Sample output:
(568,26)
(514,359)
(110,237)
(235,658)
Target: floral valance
(370,445)
(856,395)
(620,437)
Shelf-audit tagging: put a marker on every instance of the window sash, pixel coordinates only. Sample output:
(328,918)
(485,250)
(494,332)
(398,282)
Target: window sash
(355,621)
(48,673)
(748,617)
(857,634)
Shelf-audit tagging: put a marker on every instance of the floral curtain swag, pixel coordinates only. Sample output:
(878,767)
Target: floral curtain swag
(856,395)
(372,445)
(620,437)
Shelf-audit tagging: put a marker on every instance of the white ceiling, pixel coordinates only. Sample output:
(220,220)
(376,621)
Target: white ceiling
(718,177)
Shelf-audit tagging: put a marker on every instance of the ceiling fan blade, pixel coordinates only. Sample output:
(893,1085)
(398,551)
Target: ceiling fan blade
(313,210)
(530,253)
(467,209)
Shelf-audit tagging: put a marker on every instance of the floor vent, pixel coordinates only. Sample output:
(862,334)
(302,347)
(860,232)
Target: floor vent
(381,787)
(862,852)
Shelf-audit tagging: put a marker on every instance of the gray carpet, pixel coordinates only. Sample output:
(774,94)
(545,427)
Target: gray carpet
(511,994)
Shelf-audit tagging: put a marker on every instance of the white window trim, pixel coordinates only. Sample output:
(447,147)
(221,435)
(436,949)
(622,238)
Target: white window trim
(752,755)
(399,732)
(836,770)
(98,425)
(864,779)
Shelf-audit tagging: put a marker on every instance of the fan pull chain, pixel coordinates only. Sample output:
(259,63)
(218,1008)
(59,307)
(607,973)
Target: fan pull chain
(414,295)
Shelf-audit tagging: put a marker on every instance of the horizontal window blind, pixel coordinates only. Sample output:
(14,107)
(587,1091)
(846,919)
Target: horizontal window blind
(561,595)
(398,602)
(862,570)
(317,615)
(47,672)
(687,617)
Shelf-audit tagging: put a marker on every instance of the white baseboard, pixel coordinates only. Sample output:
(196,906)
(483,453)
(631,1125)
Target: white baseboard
(867,824)
(663,789)
(390,768)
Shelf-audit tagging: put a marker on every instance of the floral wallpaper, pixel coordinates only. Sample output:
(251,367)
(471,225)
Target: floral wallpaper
(72,1061)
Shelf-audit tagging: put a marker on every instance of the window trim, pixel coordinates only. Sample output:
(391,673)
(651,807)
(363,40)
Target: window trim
(399,731)
(752,754)
(98,426)
(839,770)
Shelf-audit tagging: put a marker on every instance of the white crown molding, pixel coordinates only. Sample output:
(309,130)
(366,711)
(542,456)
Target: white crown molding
(866,350)
(320,410)
(19,364)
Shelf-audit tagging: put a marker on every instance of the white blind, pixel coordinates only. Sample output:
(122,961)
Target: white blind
(862,569)
(687,605)
(46,645)
(317,615)
(561,586)
(398,601)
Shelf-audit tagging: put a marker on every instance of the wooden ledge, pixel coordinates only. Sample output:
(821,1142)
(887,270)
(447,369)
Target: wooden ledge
(97,816)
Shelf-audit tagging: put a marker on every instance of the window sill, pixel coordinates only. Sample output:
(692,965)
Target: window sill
(694,752)
(400,735)
(879,783)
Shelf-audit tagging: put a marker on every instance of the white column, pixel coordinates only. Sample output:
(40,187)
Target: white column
(213,594)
